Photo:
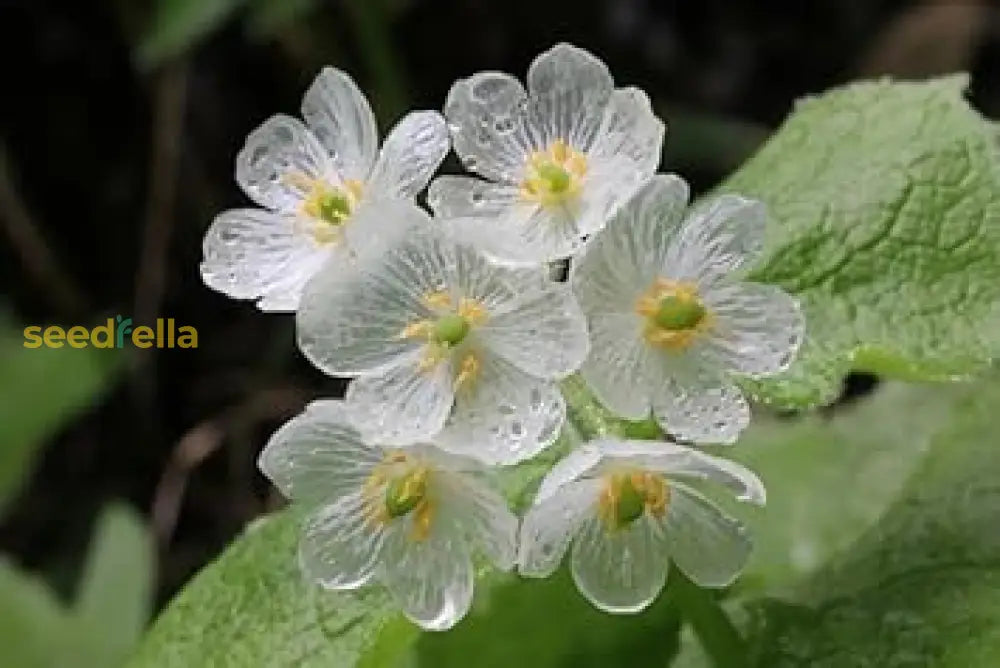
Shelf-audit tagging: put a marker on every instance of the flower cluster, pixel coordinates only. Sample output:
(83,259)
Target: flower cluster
(456,335)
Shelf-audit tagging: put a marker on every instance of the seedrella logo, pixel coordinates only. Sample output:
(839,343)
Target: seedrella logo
(117,332)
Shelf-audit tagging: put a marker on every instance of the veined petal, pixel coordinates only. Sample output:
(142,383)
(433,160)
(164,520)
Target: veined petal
(482,514)
(757,329)
(717,239)
(621,570)
(256,254)
(410,154)
(679,461)
(541,330)
(616,367)
(430,579)
(632,251)
(503,415)
(379,225)
(578,463)
(317,456)
(486,114)
(339,548)
(466,196)
(568,90)
(339,115)
(698,404)
(708,545)
(403,404)
(278,161)
(551,524)
(630,128)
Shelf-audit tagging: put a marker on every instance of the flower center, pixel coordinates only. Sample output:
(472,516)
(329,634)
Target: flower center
(554,174)
(628,496)
(329,206)
(675,314)
(406,492)
(451,329)
(447,330)
(397,488)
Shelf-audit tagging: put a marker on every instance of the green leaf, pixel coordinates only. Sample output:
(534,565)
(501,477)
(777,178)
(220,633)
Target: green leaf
(115,595)
(178,25)
(885,223)
(32,623)
(42,389)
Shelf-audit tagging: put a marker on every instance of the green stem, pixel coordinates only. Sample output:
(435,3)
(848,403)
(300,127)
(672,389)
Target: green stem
(716,632)
(584,412)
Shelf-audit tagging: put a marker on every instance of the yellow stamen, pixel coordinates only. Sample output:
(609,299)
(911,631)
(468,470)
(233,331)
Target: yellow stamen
(628,495)
(664,328)
(439,300)
(554,174)
(474,312)
(467,371)
(328,206)
(398,487)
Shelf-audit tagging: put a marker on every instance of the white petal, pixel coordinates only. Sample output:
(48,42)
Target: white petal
(317,456)
(699,405)
(277,159)
(351,317)
(708,545)
(630,128)
(465,196)
(573,466)
(503,416)
(403,404)
(551,524)
(568,90)
(607,187)
(339,115)
(675,461)
(524,233)
(620,571)
(615,370)
(756,329)
(482,514)
(486,113)
(339,548)
(410,154)
(717,239)
(541,330)
(379,225)
(255,254)
(430,579)
(631,253)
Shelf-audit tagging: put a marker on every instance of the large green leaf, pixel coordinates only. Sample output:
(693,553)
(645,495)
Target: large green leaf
(32,623)
(885,221)
(40,389)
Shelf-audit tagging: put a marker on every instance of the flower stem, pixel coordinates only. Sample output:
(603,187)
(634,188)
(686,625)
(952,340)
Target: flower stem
(718,636)
(584,412)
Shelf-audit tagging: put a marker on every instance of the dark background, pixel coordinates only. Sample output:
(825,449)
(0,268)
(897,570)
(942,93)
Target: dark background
(117,150)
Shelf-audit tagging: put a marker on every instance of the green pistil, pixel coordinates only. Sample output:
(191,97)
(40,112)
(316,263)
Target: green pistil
(678,314)
(403,494)
(450,329)
(557,179)
(631,504)
(334,208)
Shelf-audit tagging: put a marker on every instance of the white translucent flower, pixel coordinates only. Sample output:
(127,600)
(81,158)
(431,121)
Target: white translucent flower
(409,519)
(630,507)
(325,188)
(669,318)
(559,157)
(436,333)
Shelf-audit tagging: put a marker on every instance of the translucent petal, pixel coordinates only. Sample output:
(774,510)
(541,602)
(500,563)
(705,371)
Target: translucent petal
(551,524)
(573,466)
(410,154)
(708,545)
(757,329)
(482,514)
(568,90)
(486,114)
(339,548)
(623,261)
(607,187)
(465,196)
(615,368)
(620,571)
(339,115)
(630,128)
(255,254)
(678,461)
(430,579)
(277,162)
(541,329)
(503,416)
(717,239)
(403,404)
(379,225)
(317,456)
(699,405)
